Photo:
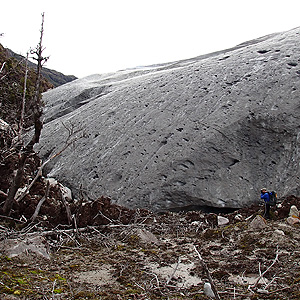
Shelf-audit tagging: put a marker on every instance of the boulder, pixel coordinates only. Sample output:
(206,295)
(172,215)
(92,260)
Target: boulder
(182,134)
(258,223)
(147,236)
(208,290)
(294,212)
(26,246)
(222,221)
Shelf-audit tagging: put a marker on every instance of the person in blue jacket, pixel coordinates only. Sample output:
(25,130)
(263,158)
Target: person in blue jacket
(266,197)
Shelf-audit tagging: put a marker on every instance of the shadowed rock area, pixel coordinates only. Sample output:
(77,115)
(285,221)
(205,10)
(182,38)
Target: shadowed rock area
(206,131)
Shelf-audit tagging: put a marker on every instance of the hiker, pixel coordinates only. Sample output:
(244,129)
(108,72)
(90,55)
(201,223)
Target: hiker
(266,197)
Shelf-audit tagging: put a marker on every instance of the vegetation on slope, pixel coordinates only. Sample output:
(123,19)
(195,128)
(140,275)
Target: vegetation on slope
(11,89)
(54,77)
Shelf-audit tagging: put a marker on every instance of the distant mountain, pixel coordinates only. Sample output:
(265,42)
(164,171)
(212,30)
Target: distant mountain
(54,77)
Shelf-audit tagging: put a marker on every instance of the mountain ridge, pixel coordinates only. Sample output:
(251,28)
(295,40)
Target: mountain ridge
(53,76)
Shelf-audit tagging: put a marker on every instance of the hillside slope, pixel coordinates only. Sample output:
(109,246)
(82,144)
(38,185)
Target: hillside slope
(210,130)
(53,76)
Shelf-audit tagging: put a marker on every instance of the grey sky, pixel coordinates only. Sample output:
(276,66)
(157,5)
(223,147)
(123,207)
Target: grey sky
(99,36)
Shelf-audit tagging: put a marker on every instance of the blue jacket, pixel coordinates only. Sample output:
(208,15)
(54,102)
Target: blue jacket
(265,196)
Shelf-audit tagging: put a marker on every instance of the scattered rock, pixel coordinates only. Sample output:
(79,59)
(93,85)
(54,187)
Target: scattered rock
(3,125)
(258,223)
(26,246)
(294,212)
(279,232)
(147,236)
(222,221)
(196,223)
(238,217)
(207,290)
(292,220)
(121,259)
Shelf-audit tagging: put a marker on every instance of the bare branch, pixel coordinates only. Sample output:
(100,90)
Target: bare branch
(38,125)
(3,194)
(69,215)
(40,170)
(20,135)
(37,209)
(175,269)
(267,270)
(2,66)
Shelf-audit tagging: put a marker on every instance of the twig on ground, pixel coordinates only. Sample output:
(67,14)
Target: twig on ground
(213,287)
(170,278)
(3,194)
(267,270)
(104,216)
(273,279)
(53,288)
(10,218)
(279,290)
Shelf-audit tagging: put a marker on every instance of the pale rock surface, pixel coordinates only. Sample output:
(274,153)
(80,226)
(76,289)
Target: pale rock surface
(292,220)
(3,125)
(66,192)
(279,232)
(147,236)
(258,223)
(238,217)
(183,134)
(207,290)
(222,221)
(294,212)
(29,244)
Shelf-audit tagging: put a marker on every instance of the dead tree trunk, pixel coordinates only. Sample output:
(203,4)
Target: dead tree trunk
(25,151)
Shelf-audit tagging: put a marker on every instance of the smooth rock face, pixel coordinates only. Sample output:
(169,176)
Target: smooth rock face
(211,130)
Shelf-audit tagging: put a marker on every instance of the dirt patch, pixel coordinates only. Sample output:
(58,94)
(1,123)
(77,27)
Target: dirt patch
(100,276)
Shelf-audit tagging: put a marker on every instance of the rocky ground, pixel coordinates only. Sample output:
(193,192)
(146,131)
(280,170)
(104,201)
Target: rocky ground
(140,255)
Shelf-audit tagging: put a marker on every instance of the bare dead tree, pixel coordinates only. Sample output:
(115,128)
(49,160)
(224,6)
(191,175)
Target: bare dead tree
(21,123)
(26,150)
(71,140)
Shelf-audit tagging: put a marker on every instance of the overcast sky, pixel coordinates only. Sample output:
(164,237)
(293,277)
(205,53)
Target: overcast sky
(99,36)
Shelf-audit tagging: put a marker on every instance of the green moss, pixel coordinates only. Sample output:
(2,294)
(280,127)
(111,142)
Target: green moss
(150,251)
(58,277)
(210,234)
(248,243)
(84,295)
(133,239)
